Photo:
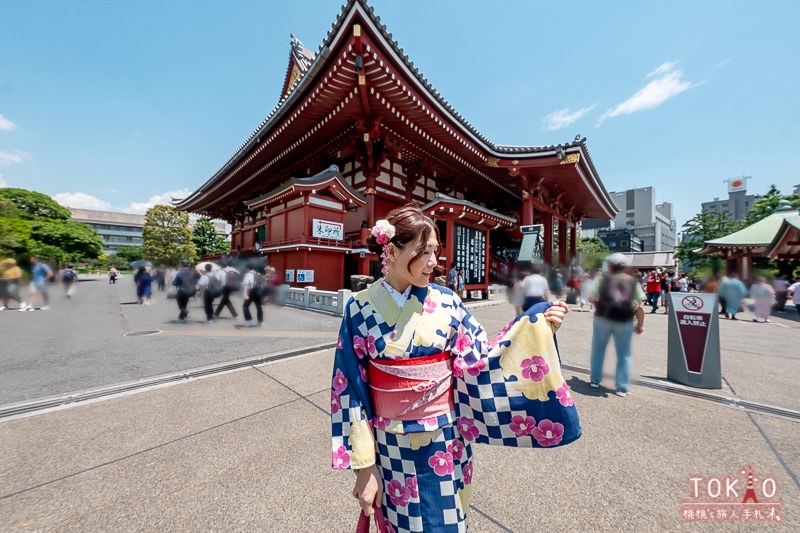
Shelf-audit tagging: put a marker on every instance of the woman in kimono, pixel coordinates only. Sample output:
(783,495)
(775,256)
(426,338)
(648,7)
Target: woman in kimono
(416,381)
(763,296)
(734,291)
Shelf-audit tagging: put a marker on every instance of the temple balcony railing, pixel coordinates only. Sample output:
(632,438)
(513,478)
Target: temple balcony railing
(303,240)
(332,302)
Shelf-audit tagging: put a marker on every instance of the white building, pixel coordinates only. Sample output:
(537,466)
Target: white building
(653,223)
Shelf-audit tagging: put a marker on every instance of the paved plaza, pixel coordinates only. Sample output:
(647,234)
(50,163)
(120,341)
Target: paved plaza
(248,449)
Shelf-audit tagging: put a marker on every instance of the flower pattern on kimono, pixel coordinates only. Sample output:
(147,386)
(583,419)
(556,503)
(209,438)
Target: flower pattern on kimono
(430,305)
(463,343)
(363,374)
(442,463)
(364,345)
(564,395)
(522,425)
(340,458)
(534,368)
(492,343)
(339,383)
(398,493)
(412,486)
(548,433)
(336,403)
(466,428)
(381,423)
(430,423)
(456,448)
(467,470)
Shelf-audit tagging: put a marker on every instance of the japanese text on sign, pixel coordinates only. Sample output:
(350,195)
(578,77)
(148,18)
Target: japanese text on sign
(323,229)
(470,253)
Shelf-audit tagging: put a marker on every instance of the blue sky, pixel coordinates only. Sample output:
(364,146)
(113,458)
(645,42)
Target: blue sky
(119,105)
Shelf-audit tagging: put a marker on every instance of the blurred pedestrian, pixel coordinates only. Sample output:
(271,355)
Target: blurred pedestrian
(665,285)
(146,284)
(212,288)
(160,277)
(112,275)
(231,281)
(452,278)
(734,291)
(41,274)
(186,286)
(794,294)
(251,296)
(68,279)
(653,285)
(518,293)
(536,288)
(763,296)
(617,297)
(10,275)
(586,286)
(781,287)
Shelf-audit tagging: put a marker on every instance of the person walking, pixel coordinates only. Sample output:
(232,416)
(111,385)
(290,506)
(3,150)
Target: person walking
(536,288)
(68,279)
(794,294)
(251,296)
(452,278)
(763,296)
(733,290)
(518,293)
(112,275)
(781,287)
(665,286)
(186,288)
(10,274)
(653,284)
(231,282)
(617,298)
(586,289)
(210,285)
(41,274)
(146,286)
(160,277)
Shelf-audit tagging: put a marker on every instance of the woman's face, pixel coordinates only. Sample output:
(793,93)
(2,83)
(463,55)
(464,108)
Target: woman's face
(418,272)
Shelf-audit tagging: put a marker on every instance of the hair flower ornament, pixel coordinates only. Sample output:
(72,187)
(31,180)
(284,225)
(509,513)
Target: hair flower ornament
(383,232)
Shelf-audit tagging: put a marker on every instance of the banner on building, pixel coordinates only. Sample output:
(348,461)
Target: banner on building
(324,229)
(531,248)
(738,184)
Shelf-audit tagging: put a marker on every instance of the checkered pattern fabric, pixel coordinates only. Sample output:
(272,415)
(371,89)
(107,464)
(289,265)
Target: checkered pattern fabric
(440,491)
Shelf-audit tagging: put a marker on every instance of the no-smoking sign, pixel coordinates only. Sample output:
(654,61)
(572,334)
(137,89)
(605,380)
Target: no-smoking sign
(692,303)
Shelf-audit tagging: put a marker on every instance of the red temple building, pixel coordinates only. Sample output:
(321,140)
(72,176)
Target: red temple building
(358,130)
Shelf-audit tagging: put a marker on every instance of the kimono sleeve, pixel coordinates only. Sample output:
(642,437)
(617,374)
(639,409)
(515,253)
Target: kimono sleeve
(510,390)
(353,443)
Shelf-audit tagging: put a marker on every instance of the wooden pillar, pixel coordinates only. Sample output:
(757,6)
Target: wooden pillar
(562,242)
(547,253)
(527,202)
(573,241)
(370,194)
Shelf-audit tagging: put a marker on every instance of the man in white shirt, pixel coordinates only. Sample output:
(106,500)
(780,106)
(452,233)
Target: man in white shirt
(794,293)
(227,289)
(251,296)
(208,296)
(536,288)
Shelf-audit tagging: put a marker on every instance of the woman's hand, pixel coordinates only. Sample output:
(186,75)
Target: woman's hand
(555,315)
(368,489)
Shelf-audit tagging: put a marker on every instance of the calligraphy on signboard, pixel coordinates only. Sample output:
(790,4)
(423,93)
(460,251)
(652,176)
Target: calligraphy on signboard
(470,253)
(324,229)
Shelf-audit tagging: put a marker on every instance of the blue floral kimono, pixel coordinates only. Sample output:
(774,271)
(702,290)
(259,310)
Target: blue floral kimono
(508,392)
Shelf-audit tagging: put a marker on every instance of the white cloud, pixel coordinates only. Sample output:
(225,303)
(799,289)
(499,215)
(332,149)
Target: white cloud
(667,83)
(81,200)
(564,117)
(6,125)
(12,158)
(3,182)
(164,199)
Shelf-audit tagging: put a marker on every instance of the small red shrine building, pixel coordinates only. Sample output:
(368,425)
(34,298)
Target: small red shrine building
(359,104)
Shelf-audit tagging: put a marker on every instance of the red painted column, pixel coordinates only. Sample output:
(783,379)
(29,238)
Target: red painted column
(527,202)
(573,241)
(547,220)
(562,242)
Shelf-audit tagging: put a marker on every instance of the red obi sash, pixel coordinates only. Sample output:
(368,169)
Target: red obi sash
(412,389)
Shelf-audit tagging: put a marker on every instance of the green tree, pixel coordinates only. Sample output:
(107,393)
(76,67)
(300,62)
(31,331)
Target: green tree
(592,252)
(128,254)
(166,237)
(701,228)
(207,240)
(768,204)
(32,223)
(32,205)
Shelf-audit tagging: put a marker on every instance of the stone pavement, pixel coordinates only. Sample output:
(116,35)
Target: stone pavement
(248,450)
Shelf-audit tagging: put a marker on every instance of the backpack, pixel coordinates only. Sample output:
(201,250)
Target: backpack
(187,285)
(68,276)
(615,300)
(214,286)
(260,285)
(233,282)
